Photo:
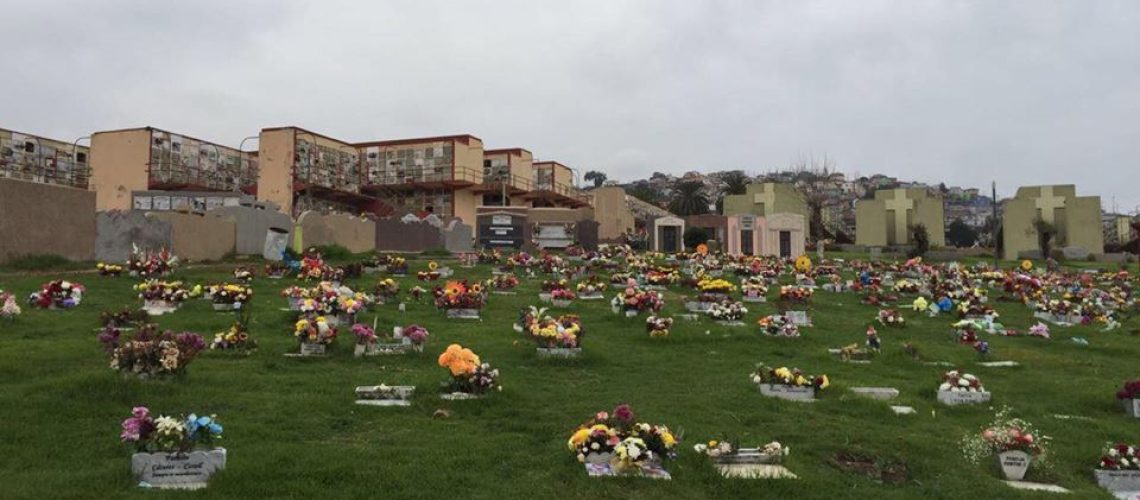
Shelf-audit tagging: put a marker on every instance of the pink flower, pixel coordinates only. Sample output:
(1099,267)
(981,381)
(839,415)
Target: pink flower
(624,413)
(602,416)
(140,412)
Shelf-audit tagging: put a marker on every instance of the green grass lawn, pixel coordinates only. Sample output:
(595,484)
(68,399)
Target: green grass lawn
(292,429)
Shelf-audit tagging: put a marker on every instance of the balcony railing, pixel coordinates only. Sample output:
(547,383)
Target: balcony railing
(211,177)
(58,168)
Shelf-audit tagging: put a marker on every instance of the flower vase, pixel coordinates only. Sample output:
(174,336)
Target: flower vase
(364,350)
(1014,464)
(184,470)
(312,349)
(1131,407)
(1118,480)
(625,467)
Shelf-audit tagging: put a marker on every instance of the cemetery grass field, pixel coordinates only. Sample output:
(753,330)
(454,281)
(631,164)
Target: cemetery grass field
(292,429)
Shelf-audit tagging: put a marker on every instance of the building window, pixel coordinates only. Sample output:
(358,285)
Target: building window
(29,147)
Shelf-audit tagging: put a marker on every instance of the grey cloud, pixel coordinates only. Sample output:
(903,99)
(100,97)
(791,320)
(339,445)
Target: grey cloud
(1020,92)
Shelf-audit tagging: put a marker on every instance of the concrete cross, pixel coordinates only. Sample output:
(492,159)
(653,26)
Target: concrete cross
(900,204)
(1048,204)
(766,198)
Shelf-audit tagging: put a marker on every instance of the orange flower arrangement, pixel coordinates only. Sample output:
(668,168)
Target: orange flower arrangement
(454,288)
(459,360)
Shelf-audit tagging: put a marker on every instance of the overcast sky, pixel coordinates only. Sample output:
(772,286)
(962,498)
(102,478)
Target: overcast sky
(963,92)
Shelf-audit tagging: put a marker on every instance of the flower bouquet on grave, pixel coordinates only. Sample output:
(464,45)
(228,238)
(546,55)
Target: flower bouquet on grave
(551,264)
(906,286)
(148,352)
(460,300)
(726,452)
(277,270)
(427,275)
(618,441)
(1129,397)
(319,300)
(469,376)
(662,277)
(9,309)
(1118,469)
(236,338)
(754,290)
(160,297)
(727,312)
(503,283)
(658,326)
(520,259)
(796,294)
(620,278)
(562,297)
(492,256)
(146,264)
(560,336)
(349,304)
(123,318)
(173,452)
(314,333)
(57,294)
(313,267)
(295,295)
(974,310)
(966,332)
(591,288)
(387,290)
(397,266)
(877,298)
(634,301)
(416,335)
(785,383)
(1014,442)
(778,325)
(109,269)
(891,317)
(718,288)
(244,274)
(229,297)
(365,340)
(959,388)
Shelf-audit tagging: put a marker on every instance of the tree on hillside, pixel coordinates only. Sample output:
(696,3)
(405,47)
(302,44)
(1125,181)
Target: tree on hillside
(731,183)
(689,199)
(644,192)
(598,178)
(811,174)
(961,235)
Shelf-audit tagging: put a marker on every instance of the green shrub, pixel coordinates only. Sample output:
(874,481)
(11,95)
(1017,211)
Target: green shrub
(695,236)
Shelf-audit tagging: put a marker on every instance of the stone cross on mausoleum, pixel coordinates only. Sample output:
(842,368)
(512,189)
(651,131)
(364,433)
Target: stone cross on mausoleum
(1047,203)
(766,198)
(899,205)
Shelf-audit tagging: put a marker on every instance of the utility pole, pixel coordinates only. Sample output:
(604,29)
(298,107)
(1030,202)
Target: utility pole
(994,230)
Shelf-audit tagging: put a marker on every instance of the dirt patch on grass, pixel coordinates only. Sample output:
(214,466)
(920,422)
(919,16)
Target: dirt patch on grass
(893,473)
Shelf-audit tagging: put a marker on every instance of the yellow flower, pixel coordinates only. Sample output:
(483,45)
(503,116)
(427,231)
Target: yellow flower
(432,266)
(783,373)
(803,263)
(1026,265)
(578,438)
(824,382)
